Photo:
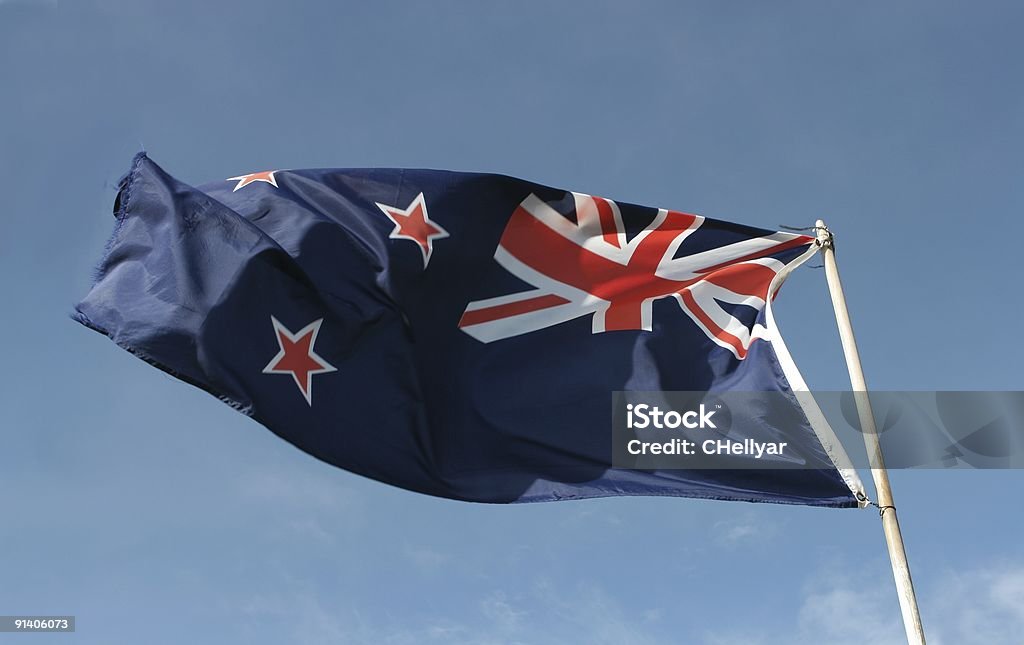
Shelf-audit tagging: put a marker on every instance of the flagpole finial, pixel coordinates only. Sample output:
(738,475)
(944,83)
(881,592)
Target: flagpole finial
(825,239)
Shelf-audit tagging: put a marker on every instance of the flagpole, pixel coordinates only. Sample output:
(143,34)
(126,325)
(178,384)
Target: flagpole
(887,509)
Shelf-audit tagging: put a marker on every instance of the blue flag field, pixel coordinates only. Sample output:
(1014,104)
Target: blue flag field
(458,334)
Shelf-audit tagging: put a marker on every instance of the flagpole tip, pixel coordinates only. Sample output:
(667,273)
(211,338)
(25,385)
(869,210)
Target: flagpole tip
(823,234)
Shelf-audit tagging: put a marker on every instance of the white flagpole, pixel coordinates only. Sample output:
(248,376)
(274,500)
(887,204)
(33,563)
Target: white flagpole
(887,509)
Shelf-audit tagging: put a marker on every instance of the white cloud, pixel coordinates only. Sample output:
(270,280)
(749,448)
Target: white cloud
(298,488)
(587,614)
(741,529)
(845,606)
(844,614)
(981,606)
(851,604)
(503,616)
(425,559)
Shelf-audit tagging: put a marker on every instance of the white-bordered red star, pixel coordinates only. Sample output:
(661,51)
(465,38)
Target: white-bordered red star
(413,223)
(266,176)
(297,356)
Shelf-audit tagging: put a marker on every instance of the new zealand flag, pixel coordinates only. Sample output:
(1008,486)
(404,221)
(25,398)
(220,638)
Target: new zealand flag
(457,334)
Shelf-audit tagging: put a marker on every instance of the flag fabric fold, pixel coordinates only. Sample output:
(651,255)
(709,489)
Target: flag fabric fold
(456,334)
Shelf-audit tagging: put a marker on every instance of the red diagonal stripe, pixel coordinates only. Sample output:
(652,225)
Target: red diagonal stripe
(497,312)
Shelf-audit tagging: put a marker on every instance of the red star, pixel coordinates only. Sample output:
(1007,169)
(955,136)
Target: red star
(266,176)
(297,357)
(414,224)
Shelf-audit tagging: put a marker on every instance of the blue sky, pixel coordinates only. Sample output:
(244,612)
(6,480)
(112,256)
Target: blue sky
(156,514)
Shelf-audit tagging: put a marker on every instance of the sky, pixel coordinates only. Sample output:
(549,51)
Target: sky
(156,514)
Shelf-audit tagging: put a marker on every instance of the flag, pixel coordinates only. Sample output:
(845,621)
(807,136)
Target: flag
(457,334)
